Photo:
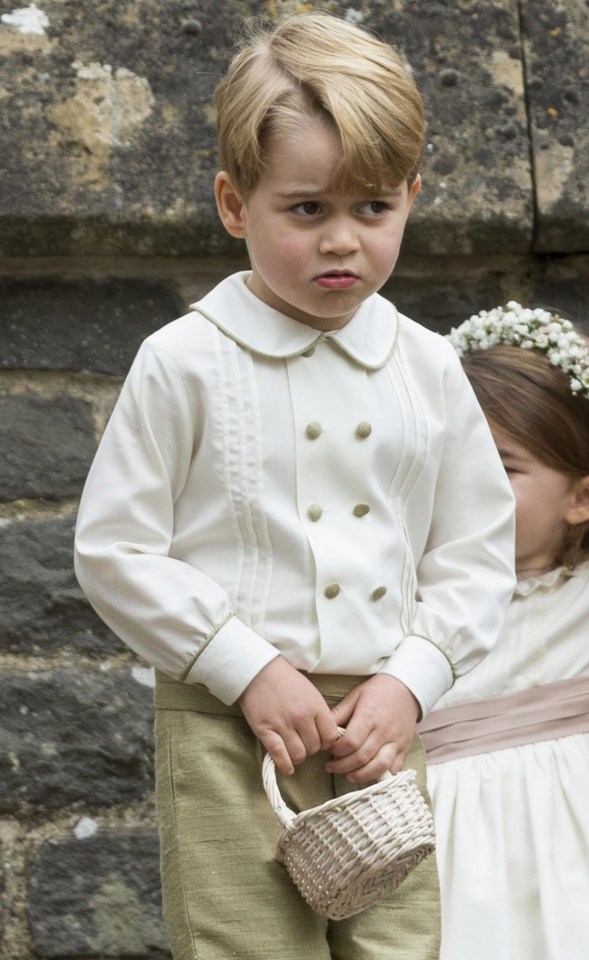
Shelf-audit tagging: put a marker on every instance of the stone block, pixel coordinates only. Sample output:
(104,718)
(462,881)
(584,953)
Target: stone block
(445,298)
(556,43)
(112,147)
(98,898)
(2,888)
(467,60)
(566,290)
(444,301)
(74,736)
(46,446)
(81,324)
(42,608)
(112,139)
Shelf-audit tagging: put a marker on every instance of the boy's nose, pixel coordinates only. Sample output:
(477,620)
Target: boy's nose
(338,236)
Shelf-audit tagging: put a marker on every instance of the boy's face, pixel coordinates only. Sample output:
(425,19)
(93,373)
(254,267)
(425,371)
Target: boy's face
(316,253)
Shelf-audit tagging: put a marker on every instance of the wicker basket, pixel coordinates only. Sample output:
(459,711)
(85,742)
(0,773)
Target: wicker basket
(346,853)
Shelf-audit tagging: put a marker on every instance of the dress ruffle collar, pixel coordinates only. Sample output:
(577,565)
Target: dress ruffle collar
(523,588)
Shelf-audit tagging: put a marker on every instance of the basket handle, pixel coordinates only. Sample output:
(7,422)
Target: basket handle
(282,811)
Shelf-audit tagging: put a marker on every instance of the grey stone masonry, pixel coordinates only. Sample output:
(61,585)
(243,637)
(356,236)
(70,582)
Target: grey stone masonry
(97,897)
(72,735)
(108,231)
(42,608)
(46,446)
(78,324)
(556,54)
(112,149)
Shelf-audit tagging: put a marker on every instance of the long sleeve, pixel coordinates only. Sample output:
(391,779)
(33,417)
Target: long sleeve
(465,577)
(334,498)
(164,608)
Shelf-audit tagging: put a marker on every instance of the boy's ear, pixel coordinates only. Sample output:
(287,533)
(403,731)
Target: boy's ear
(412,192)
(415,188)
(578,510)
(230,205)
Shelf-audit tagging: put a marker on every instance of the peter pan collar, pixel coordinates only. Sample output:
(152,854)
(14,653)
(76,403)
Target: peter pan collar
(368,338)
(524,587)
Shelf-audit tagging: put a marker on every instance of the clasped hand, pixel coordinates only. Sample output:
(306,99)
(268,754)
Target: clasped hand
(292,720)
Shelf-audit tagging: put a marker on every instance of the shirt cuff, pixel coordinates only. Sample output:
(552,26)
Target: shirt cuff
(231,660)
(423,668)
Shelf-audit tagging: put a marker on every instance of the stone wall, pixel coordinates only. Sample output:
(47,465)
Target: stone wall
(107,230)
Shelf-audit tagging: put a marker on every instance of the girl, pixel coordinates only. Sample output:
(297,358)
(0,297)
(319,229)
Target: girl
(508,746)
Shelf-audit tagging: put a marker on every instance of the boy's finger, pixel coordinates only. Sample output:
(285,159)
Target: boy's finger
(276,747)
(283,763)
(357,736)
(389,758)
(328,731)
(301,743)
(343,711)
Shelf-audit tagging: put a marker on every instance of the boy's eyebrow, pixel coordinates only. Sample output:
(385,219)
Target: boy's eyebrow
(306,191)
(318,191)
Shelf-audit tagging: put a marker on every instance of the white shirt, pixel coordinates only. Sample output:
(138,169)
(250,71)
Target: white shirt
(263,488)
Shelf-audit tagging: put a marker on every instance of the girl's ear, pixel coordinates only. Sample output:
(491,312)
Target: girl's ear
(230,205)
(578,511)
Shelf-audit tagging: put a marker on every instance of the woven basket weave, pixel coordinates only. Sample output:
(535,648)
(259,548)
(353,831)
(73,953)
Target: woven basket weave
(346,853)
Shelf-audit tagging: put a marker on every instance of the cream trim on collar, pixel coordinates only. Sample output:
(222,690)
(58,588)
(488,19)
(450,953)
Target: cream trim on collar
(368,338)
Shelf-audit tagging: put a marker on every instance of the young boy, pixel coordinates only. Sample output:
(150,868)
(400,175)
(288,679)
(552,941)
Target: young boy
(297,513)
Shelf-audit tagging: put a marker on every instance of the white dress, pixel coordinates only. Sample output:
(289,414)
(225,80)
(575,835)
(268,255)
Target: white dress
(513,822)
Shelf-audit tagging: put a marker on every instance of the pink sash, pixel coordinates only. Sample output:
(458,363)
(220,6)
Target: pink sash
(542,713)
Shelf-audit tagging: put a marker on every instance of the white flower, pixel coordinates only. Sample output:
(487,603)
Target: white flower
(528,329)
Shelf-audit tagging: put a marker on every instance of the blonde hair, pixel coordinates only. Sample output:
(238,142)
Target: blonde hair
(318,66)
(530,399)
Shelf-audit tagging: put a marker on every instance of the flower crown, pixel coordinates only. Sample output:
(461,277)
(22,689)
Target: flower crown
(519,326)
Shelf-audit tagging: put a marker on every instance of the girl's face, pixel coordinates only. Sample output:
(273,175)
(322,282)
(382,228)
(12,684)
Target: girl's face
(545,504)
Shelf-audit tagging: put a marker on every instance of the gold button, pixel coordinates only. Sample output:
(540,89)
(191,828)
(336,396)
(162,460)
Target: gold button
(309,352)
(332,590)
(314,430)
(378,594)
(363,430)
(314,512)
(361,509)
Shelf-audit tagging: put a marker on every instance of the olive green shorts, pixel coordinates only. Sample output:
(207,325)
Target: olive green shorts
(224,894)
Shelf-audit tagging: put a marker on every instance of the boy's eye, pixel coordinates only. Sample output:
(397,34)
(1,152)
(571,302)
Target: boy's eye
(374,208)
(307,209)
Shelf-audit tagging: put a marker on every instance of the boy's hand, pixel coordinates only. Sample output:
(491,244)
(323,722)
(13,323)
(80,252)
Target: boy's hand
(288,714)
(380,716)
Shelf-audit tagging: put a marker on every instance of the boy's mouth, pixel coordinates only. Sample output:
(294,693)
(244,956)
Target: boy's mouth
(336,279)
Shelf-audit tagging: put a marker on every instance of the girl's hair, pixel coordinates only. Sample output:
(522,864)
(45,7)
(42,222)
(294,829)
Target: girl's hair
(318,66)
(531,400)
